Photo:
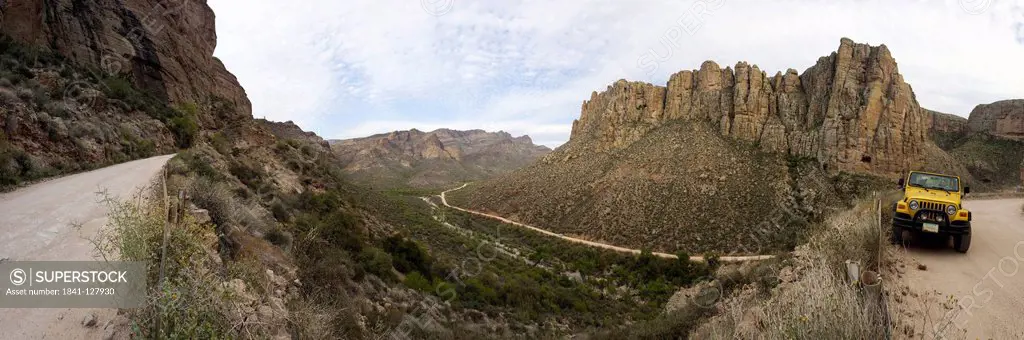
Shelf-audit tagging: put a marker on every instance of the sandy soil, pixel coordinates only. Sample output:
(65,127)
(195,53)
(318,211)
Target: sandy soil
(977,295)
(36,225)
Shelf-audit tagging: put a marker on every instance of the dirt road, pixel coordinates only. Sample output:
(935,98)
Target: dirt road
(987,282)
(444,200)
(36,225)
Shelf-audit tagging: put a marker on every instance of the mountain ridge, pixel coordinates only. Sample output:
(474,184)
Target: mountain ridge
(435,158)
(852,110)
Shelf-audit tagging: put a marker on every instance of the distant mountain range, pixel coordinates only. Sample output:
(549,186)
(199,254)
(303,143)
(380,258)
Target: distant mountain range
(433,159)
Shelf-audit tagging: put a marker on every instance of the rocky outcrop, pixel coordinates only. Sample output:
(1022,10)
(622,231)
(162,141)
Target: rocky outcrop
(852,110)
(947,123)
(289,131)
(436,158)
(163,46)
(947,131)
(1003,119)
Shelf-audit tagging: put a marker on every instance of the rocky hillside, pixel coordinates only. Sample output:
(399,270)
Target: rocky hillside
(87,84)
(989,144)
(723,159)
(434,159)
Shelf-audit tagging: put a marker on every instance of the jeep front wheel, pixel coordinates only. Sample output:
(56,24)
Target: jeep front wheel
(962,242)
(897,236)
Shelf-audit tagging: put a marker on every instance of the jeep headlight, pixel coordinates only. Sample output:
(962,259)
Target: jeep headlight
(951,209)
(914,205)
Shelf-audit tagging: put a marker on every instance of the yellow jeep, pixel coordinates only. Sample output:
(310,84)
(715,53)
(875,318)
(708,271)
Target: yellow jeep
(932,204)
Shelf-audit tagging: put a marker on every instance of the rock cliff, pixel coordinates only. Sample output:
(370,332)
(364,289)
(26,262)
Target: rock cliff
(164,47)
(947,130)
(1002,119)
(947,123)
(852,110)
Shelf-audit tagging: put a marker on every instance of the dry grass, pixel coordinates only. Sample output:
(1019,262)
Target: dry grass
(816,301)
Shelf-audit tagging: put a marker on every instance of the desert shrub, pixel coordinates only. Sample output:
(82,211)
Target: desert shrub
(67,72)
(417,281)
(225,209)
(220,143)
(407,255)
(40,96)
(198,163)
(252,177)
(15,165)
(13,78)
(215,198)
(308,320)
(85,129)
(119,88)
(57,109)
(377,262)
(141,148)
(279,238)
(8,97)
(10,175)
(188,109)
(11,123)
(185,130)
(24,94)
(282,146)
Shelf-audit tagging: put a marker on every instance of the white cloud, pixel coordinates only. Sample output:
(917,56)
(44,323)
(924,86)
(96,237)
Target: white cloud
(350,68)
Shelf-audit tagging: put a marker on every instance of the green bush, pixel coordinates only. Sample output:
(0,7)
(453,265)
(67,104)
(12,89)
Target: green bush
(221,143)
(185,130)
(377,262)
(407,255)
(250,176)
(15,165)
(280,211)
(57,109)
(188,109)
(280,238)
(119,88)
(41,97)
(416,281)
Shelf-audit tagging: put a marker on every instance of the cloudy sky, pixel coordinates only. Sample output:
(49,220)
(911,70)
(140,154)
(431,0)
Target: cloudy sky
(353,68)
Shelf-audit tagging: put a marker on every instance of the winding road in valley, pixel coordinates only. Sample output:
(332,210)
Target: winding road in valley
(36,224)
(444,200)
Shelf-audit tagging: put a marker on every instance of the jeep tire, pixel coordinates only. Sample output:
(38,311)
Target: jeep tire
(962,242)
(897,236)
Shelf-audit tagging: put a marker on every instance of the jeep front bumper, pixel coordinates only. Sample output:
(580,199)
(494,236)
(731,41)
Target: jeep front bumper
(907,222)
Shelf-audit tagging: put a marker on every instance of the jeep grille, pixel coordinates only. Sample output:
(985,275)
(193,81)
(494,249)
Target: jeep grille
(933,206)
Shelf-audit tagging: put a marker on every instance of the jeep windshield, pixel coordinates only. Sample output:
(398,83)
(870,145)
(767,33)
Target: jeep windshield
(929,181)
